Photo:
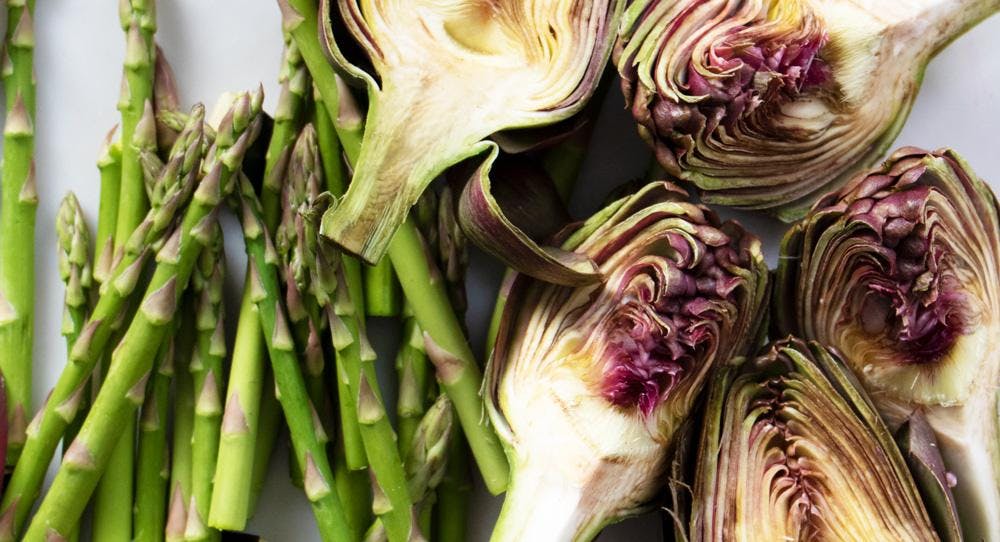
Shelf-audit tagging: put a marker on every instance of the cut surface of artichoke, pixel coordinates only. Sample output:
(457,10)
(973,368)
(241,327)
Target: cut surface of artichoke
(768,104)
(900,271)
(587,385)
(792,449)
(448,74)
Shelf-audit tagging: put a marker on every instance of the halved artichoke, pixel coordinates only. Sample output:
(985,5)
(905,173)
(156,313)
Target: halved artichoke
(587,385)
(768,104)
(445,75)
(792,449)
(900,271)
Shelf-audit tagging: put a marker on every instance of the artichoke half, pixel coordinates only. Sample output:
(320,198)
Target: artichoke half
(587,385)
(792,449)
(900,271)
(444,75)
(769,104)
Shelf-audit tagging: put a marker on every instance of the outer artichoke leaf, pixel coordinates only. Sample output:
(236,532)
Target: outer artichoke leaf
(900,271)
(791,450)
(449,74)
(769,104)
(532,199)
(588,385)
(920,448)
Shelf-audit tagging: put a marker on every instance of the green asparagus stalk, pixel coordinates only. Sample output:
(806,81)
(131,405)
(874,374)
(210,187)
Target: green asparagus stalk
(310,451)
(299,21)
(382,295)
(75,270)
(74,266)
(288,119)
(353,486)
(208,374)
(355,490)
(268,425)
(452,511)
(132,360)
(183,428)
(250,426)
(113,498)
(329,133)
(412,367)
(302,185)
(349,341)
(138,21)
(152,469)
(18,203)
(231,494)
(63,404)
(109,164)
(425,459)
(449,350)
(166,103)
(331,151)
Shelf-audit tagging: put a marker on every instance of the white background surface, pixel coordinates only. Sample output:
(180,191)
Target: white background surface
(223,45)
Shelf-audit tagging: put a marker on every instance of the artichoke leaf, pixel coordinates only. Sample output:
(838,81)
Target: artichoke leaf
(511,221)
(448,74)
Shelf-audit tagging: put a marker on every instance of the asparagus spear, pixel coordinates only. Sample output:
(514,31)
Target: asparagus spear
(61,407)
(269,423)
(411,365)
(208,375)
(426,458)
(152,474)
(301,187)
(246,443)
(18,203)
(138,21)
(123,389)
(288,118)
(183,429)
(109,164)
(349,341)
(353,486)
(308,448)
(231,495)
(75,271)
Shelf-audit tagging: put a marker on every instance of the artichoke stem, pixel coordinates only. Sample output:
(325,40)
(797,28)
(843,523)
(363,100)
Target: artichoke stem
(410,138)
(971,450)
(935,23)
(542,505)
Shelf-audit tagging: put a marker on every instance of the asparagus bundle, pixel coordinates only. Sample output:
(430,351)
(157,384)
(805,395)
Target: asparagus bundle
(124,388)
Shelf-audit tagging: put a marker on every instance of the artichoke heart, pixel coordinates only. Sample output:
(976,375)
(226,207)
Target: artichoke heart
(792,449)
(446,75)
(900,271)
(768,104)
(588,385)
